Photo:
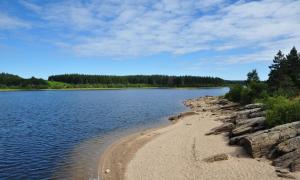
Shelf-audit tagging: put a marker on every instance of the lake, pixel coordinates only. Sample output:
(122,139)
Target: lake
(60,134)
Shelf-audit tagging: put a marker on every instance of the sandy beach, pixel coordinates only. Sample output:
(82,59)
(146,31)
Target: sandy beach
(178,152)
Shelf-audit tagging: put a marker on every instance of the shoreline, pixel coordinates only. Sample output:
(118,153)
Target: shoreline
(122,88)
(148,154)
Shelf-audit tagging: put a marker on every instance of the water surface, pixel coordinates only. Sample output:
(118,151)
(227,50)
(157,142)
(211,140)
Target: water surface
(48,134)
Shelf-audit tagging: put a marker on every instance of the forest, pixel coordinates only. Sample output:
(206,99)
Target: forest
(16,82)
(152,80)
(68,81)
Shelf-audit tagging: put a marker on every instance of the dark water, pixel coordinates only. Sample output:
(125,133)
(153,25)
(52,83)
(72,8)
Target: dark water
(48,134)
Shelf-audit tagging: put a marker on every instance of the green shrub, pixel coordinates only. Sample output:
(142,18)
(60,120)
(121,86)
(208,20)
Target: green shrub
(287,92)
(281,110)
(246,96)
(258,89)
(234,93)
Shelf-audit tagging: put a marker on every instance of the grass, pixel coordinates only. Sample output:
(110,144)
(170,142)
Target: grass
(53,85)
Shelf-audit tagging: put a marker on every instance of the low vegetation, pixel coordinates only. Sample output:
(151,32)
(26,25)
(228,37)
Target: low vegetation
(279,92)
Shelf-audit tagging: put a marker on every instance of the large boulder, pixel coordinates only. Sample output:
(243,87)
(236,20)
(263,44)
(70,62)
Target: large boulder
(260,143)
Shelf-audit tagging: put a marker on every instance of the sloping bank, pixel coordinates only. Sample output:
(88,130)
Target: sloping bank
(196,147)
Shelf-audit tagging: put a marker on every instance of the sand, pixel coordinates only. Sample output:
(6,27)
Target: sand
(176,152)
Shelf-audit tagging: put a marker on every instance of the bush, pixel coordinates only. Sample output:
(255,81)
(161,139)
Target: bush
(281,110)
(287,92)
(234,93)
(246,95)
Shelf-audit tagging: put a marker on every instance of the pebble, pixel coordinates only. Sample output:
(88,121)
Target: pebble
(107,171)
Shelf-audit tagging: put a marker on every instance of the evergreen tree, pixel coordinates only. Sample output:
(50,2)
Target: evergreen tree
(293,66)
(252,77)
(276,75)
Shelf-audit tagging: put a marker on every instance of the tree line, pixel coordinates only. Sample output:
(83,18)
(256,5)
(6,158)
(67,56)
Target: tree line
(14,81)
(153,80)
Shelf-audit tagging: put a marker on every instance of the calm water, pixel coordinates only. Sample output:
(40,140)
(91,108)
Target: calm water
(59,134)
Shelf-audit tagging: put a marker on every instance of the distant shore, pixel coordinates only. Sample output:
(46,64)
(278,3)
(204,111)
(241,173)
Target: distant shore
(74,89)
(179,151)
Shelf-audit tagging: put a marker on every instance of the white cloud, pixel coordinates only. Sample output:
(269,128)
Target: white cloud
(8,22)
(134,28)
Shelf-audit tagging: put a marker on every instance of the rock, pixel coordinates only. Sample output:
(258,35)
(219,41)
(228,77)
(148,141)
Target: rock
(244,114)
(282,171)
(287,176)
(253,106)
(226,127)
(288,145)
(257,114)
(223,102)
(182,115)
(217,157)
(260,143)
(236,140)
(295,165)
(107,171)
(290,160)
(251,122)
(248,126)
(230,106)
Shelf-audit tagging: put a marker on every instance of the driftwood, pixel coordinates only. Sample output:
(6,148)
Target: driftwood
(260,143)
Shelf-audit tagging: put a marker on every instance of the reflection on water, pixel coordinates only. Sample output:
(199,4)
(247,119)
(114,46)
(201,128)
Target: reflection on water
(60,134)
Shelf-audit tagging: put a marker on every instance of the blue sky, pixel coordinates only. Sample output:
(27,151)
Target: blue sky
(173,37)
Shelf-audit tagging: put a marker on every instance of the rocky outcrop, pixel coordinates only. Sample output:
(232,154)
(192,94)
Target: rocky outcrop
(247,128)
(259,144)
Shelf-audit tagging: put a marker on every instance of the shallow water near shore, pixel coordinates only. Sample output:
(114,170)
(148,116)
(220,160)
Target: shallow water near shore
(60,134)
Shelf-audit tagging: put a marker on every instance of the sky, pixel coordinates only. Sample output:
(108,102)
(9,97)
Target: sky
(221,38)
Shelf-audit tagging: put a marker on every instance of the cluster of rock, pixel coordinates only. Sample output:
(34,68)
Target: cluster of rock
(246,127)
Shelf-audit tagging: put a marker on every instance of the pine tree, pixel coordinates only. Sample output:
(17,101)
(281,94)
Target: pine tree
(252,77)
(276,75)
(293,66)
